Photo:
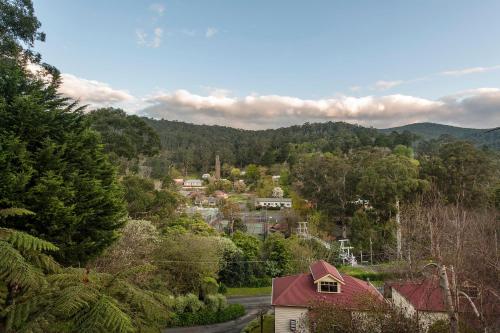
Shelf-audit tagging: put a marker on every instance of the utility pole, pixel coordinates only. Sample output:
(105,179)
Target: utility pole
(398,232)
(371,251)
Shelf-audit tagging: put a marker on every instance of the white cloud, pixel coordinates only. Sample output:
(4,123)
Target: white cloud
(470,70)
(470,108)
(158,8)
(384,85)
(93,92)
(210,32)
(144,39)
(473,108)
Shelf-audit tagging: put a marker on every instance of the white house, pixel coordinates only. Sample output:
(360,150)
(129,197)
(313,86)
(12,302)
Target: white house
(193,183)
(293,295)
(422,298)
(273,202)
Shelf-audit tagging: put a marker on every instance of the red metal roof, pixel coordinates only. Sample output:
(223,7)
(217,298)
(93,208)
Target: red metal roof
(300,290)
(321,268)
(425,295)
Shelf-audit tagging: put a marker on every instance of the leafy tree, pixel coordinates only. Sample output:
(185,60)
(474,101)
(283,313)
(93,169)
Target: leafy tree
(124,135)
(327,180)
(53,165)
(389,180)
(277,254)
(143,201)
(252,174)
(464,174)
(19,28)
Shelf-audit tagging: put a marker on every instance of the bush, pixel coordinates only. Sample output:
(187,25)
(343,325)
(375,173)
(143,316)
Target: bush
(222,288)
(207,317)
(255,282)
(215,302)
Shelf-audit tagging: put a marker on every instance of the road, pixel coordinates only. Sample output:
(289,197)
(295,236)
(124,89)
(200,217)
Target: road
(251,304)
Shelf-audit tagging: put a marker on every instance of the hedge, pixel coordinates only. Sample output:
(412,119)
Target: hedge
(207,317)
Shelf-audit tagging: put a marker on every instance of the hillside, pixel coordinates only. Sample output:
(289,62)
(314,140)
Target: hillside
(428,131)
(196,145)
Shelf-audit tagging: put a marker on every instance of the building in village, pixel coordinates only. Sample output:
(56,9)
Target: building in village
(293,295)
(179,181)
(425,299)
(421,298)
(193,183)
(273,203)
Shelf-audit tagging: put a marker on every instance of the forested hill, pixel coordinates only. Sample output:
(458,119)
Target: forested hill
(428,131)
(196,145)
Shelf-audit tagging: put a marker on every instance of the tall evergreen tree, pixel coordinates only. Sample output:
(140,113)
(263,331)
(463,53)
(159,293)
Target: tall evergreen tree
(51,162)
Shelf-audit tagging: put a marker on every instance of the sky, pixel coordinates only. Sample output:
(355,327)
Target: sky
(273,63)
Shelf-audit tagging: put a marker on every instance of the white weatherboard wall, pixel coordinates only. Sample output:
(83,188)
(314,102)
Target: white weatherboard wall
(283,315)
(425,318)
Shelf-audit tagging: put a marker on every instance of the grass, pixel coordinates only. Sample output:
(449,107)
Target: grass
(364,273)
(261,291)
(254,326)
(238,198)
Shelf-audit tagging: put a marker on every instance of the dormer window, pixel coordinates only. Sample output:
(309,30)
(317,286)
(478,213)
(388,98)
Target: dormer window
(328,287)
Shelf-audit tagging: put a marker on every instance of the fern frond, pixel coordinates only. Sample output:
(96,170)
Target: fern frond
(14,269)
(103,316)
(65,279)
(25,312)
(7,212)
(140,300)
(75,299)
(43,261)
(25,242)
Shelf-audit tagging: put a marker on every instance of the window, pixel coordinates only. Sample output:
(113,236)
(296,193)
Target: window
(293,325)
(329,287)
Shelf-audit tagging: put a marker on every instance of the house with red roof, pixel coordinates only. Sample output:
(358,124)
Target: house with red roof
(293,295)
(423,298)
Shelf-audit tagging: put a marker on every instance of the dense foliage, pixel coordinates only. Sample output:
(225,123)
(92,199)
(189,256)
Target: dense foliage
(193,147)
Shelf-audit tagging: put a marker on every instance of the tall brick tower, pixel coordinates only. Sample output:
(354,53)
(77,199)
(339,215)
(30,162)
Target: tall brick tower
(217,167)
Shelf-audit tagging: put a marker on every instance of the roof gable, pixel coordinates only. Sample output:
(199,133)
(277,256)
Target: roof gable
(321,268)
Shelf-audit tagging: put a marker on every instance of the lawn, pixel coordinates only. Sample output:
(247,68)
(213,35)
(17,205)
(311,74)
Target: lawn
(238,198)
(365,273)
(254,326)
(261,291)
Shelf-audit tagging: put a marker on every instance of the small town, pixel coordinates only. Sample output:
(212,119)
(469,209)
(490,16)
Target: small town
(249,167)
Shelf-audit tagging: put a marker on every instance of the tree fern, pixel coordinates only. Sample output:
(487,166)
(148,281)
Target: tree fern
(25,242)
(37,295)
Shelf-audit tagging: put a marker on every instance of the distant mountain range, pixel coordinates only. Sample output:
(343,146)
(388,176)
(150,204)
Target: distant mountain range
(428,131)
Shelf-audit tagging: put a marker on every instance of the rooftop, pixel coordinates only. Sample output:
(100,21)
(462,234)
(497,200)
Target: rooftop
(300,291)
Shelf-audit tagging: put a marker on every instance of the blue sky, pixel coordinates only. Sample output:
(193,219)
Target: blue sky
(259,64)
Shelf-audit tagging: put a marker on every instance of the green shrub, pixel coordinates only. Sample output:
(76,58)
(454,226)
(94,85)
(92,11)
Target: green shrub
(222,288)
(207,317)
(215,302)
(256,282)
(193,304)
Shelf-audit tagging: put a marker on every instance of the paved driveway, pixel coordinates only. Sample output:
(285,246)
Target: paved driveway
(251,304)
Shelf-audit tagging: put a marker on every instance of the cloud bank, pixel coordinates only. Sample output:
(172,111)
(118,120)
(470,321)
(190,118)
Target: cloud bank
(471,108)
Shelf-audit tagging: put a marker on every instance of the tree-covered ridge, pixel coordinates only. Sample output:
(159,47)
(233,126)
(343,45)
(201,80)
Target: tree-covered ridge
(427,131)
(195,146)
